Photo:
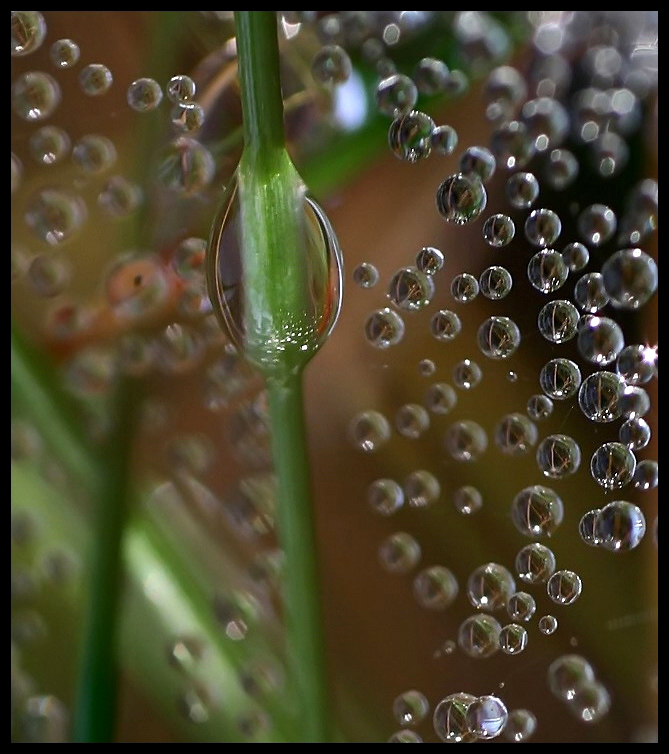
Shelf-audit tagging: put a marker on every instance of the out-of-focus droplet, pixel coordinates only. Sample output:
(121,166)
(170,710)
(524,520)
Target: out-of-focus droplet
(399,553)
(467,500)
(385,496)
(421,489)
(55,214)
(539,407)
(630,278)
(489,586)
(520,726)
(396,95)
(467,374)
(435,588)
(369,430)
(487,715)
(64,53)
(410,708)
(28,31)
(466,441)
(597,224)
(144,95)
(521,606)
(522,190)
(95,79)
(331,65)
(35,96)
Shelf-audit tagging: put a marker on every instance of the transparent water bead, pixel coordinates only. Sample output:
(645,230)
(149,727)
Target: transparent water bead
(48,274)
(144,95)
(612,465)
(421,489)
(431,76)
(365,275)
(547,271)
(558,321)
(435,588)
(515,434)
(426,367)
(406,736)
(511,145)
(49,145)
(444,140)
(331,65)
(464,288)
(35,96)
(396,95)
(597,224)
(369,430)
(410,708)
(385,496)
(466,440)
(576,256)
(55,214)
(548,624)
(561,169)
(521,606)
(568,674)
(645,475)
(634,402)
(478,160)
(180,89)
(445,325)
(537,511)
(478,636)
(429,260)
(591,702)
(558,456)
(410,289)
(498,337)
(489,586)
(619,526)
(495,282)
(560,379)
(399,553)
(187,117)
(119,197)
(187,167)
(542,227)
(487,716)
(547,122)
(28,31)
(522,190)
(467,374)
(589,292)
(64,53)
(412,420)
(384,328)
(630,278)
(440,398)
(461,198)
(467,500)
(410,136)
(564,587)
(539,407)
(95,79)
(505,88)
(634,433)
(599,396)
(450,718)
(637,364)
(498,231)
(586,527)
(520,726)
(93,154)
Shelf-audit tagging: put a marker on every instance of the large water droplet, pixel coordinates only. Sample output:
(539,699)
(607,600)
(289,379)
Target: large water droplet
(331,65)
(461,198)
(619,526)
(630,278)
(188,167)
(612,465)
(466,440)
(396,95)
(410,289)
(564,587)
(487,716)
(515,434)
(498,337)
(535,563)
(384,328)
(467,500)
(421,488)
(440,398)
(521,606)
(645,475)
(495,282)
(28,31)
(596,224)
(95,79)
(522,190)
(600,340)
(450,718)
(385,496)
(498,231)
(637,364)
(478,160)
(537,511)
(410,136)
(520,726)
(568,674)
(489,586)
(558,456)
(64,53)
(429,260)
(560,379)
(599,396)
(478,636)
(558,321)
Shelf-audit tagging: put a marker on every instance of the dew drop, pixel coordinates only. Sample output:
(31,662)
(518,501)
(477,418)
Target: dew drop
(45,718)
(431,76)
(591,702)
(385,496)
(119,197)
(187,167)
(426,367)
(645,475)
(450,717)
(560,379)
(548,624)
(28,31)
(444,140)
(612,465)
(406,736)
(435,588)
(520,726)
(180,89)
(94,154)
(479,161)
(35,96)
(558,321)
(185,653)
(630,278)
(429,260)
(498,231)
(466,440)
(589,292)
(399,553)
(542,227)
(521,606)
(95,79)
(539,407)
(55,214)
(64,53)
(599,396)
(410,136)
(49,145)
(144,95)
(637,364)
(445,325)
(498,337)
(561,169)
(558,456)
(396,95)
(576,256)
(467,374)
(487,715)
(586,527)
(384,328)
(522,190)
(369,430)
(440,398)
(410,289)
(495,282)
(547,271)
(461,198)
(49,274)
(634,433)
(467,500)
(489,586)
(597,224)
(547,122)
(537,511)
(515,434)
(568,674)
(464,288)
(366,275)
(512,145)
(410,708)
(331,65)
(634,402)
(478,636)
(421,489)
(619,526)
(564,587)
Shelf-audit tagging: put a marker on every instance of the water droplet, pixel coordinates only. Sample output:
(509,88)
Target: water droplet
(119,197)
(478,636)
(440,398)
(558,321)
(444,140)
(630,278)
(619,526)
(64,53)
(539,407)
(522,190)
(384,328)
(193,704)
(467,374)
(467,500)
(405,737)
(49,145)
(187,117)
(548,624)
(431,76)
(426,367)
(385,496)
(185,653)
(478,160)
(49,274)
(55,214)
(136,287)
(599,396)
(180,89)
(542,227)
(505,88)
(331,65)
(560,379)
(28,31)
(95,79)
(561,169)
(645,475)
(547,122)
(94,154)
(547,271)
(498,337)
(445,325)
(410,289)
(637,364)
(568,674)
(464,288)
(634,433)
(564,587)
(144,95)
(495,282)
(461,198)
(369,430)
(515,434)
(180,349)
(396,95)
(429,260)
(521,606)
(421,489)
(489,586)
(589,292)
(365,275)
(188,167)
(634,402)
(410,708)
(487,715)
(450,717)
(597,224)
(45,718)
(586,527)
(576,256)
(399,553)
(537,511)
(466,440)
(612,465)
(558,456)
(520,726)
(498,230)
(410,136)
(35,95)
